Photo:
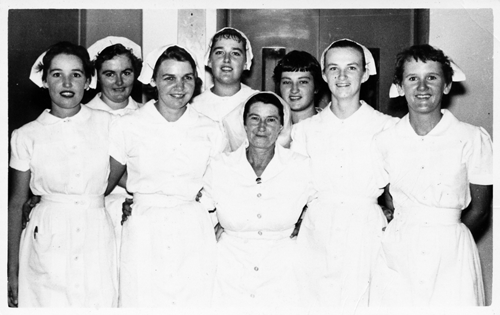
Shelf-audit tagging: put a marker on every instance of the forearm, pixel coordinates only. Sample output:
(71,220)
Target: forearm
(14,236)
(477,213)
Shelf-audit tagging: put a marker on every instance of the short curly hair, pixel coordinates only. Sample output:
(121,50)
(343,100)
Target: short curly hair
(422,53)
(116,50)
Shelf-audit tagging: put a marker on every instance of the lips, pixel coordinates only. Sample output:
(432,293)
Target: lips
(342,85)
(178,96)
(423,96)
(67,94)
(226,69)
(294,98)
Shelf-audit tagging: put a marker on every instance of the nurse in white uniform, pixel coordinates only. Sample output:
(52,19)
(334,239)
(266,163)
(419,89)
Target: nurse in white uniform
(258,192)
(168,243)
(229,54)
(346,223)
(439,171)
(66,255)
(117,61)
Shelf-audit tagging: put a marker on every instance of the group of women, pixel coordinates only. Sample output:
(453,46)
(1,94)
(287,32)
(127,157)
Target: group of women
(180,166)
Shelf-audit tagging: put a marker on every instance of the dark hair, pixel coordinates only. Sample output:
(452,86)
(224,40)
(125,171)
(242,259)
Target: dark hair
(266,98)
(179,54)
(344,43)
(228,33)
(299,61)
(422,53)
(68,49)
(116,50)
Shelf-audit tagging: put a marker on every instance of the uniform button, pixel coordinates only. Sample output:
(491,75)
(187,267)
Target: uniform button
(259,216)
(260,232)
(252,295)
(259,195)
(76,257)
(78,229)
(256,268)
(78,175)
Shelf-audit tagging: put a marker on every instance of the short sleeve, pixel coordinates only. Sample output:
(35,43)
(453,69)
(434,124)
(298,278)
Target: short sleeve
(206,194)
(379,171)
(117,147)
(20,155)
(480,162)
(299,141)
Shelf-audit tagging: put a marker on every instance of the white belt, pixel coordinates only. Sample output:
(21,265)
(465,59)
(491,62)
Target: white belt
(261,234)
(158,200)
(92,201)
(428,215)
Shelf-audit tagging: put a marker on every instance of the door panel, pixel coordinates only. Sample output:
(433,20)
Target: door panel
(384,31)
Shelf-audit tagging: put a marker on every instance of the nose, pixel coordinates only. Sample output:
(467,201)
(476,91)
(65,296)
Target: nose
(226,58)
(119,80)
(343,74)
(262,125)
(295,87)
(180,84)
(422,85)
(67,81)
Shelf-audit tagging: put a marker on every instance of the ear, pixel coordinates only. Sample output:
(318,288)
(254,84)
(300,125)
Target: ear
(45,85)
(87,84)
(209,63)
(366,76)
(401,91)
(323,75)
(447,88)
(152,83)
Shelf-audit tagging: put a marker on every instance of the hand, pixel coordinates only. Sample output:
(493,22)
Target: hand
(389,213)
(198,196)
(297,228)
(27,207)
(126,209)
(12,289)
(218,231)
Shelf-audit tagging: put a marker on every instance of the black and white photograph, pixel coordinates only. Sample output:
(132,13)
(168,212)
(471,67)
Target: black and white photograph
(182,157)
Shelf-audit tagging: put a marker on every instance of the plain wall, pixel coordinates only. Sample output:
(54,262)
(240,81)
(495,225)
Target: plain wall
(466,36)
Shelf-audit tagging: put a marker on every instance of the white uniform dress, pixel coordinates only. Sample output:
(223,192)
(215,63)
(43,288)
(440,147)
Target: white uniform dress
(115,199)
(216,107)
(168,243)
(257,262)
(67,251)
(346,223)
(428,256)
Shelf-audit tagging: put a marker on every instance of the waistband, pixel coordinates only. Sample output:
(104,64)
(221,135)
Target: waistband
(428,215)
(158,200)
(262,234)
(93,201)
(348,200)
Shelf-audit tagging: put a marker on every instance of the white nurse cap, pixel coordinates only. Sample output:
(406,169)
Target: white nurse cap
(249,54)
(370,62)
(148,65)
(96,48)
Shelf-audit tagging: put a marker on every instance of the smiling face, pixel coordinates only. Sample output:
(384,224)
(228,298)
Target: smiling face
(423,85)
(297,89)
(116,78)
(175,81)
(66,83)
(262,125)
(344,72)
(227,61)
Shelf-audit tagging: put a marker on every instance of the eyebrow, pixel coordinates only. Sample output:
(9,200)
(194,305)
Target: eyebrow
(232,48)
(58,69)
(302,77)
